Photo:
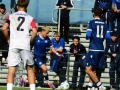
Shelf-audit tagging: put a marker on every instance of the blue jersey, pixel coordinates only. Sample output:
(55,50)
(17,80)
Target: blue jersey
(117,2)
(96,32)
(40,46)
(60,43)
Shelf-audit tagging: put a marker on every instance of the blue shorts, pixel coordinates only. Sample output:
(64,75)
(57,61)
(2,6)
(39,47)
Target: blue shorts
(93,58)
(38,61)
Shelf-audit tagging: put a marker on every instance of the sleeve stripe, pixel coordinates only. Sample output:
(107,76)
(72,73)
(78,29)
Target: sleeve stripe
(33,24)
(89,29)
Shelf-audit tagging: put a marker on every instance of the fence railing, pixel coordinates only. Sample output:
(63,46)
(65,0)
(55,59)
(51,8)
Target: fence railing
(59,10)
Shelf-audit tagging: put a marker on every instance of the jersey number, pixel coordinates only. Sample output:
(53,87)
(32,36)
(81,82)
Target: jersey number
(99,31)
(22,21)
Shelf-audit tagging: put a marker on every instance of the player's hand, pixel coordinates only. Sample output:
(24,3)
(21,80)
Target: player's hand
(114,55)
(59,54)
(75,51)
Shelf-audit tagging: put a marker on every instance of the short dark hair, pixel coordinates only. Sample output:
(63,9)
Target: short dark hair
(23,3)
(114,33)
(2,6)
(76,37)
(98,12)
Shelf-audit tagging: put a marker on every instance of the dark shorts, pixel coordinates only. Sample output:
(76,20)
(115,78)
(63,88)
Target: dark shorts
(39,61)
(93,58)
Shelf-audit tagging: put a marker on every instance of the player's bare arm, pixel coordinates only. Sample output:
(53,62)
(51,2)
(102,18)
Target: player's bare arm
(34,33)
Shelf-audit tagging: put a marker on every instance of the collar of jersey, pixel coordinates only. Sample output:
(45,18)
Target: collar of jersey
(97,18)
(22,11)
(40,36)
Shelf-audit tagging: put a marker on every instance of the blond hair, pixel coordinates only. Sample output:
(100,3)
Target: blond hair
(57,33)
(46,28)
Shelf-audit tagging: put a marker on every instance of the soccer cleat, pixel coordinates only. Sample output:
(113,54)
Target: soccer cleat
(88,88)
(94,88)
(102,87)
(51,85)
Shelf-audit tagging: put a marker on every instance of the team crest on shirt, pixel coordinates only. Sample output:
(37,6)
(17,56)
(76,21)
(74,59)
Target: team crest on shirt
(38,40)
(46,41)
(40,63)
(91,56)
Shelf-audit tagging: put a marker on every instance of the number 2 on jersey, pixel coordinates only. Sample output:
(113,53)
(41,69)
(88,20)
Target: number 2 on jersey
(21,19)
(99,31)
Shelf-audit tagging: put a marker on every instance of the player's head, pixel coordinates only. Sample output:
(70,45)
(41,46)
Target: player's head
(98,12)
(76,40)
(2,8)
(22,4)
(57,36)
(114,36)
(44,31)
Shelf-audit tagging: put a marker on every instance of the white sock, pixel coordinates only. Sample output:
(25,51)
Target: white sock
(98,83)
(9,86)
(32,86)
(90,84)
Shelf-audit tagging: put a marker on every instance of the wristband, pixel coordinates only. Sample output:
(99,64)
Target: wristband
(57,53)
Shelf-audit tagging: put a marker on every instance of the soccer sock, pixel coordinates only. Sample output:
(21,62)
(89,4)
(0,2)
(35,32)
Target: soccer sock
(90,85)
(46,76)
(32,86)
(9,86)
(98,84)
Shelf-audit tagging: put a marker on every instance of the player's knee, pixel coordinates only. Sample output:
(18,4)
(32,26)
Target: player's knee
(87,70)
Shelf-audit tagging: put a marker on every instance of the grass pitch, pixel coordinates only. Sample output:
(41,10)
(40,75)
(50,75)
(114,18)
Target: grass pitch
(25,88)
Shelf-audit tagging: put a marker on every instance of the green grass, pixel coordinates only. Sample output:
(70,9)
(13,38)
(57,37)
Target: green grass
(24,88)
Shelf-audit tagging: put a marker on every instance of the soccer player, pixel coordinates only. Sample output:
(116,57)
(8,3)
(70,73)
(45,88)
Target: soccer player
(96,32)
(114,46)
(59,64)
(77,48)
(20,24)
(41,43)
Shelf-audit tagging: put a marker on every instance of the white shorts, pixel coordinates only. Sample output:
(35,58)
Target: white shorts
(16,55)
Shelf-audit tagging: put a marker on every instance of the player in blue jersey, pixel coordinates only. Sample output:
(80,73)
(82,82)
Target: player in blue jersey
(59,64)
(116,9)
(96,32)
(41,43)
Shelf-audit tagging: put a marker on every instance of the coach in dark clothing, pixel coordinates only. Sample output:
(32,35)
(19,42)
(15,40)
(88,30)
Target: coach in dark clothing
(64,18)
(77,48)
(114,46)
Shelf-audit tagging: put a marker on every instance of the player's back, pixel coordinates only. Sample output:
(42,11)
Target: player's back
(20,25)
(99,30)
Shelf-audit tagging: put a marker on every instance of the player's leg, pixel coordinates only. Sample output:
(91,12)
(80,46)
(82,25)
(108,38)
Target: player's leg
(13,61)
(92,60)
(27,57)
(31,76)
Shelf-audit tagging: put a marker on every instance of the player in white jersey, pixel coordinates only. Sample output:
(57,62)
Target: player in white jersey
(20,24)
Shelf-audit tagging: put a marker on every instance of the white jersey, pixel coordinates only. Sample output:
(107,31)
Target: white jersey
(20,25)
